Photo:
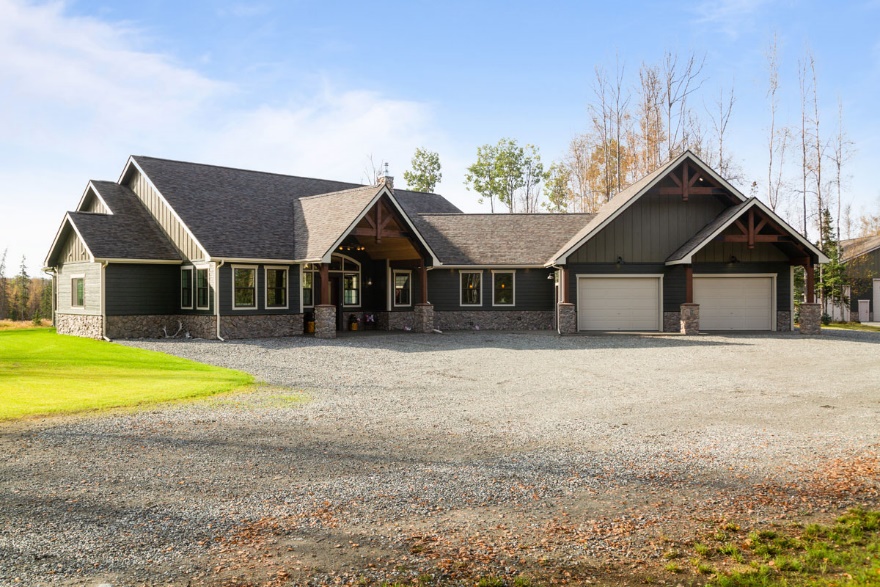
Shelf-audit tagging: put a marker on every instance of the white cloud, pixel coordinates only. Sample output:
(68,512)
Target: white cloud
(79,95)
(731,16)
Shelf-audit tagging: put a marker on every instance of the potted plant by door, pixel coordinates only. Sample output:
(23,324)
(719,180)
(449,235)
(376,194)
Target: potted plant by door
(353,322)
(309,322)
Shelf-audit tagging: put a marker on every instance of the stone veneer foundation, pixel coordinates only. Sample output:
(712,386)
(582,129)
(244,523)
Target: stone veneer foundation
(690,319)
(671,321)
(567,318)
(494,320)
(198,326)
(261,326)
(424,318)
(79,325)
(783,321)
(810,319)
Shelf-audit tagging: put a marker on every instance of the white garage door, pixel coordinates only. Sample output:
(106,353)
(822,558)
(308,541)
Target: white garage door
(618,303)
(734,303)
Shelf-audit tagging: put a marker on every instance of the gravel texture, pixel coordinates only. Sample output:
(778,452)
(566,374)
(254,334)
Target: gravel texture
(360,447)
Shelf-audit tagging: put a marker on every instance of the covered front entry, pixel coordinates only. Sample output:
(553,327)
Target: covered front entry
(619,303)
(736,302)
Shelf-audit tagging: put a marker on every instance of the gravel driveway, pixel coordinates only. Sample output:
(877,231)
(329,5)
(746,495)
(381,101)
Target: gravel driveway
(384,456)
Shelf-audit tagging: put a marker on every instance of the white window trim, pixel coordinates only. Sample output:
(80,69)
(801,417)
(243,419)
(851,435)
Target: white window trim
(302,272)
(286,270)
(513,285)
(256,287)
(196,286)
(73,291)
(360,289)
(461,275)
(394,275)
(192,289)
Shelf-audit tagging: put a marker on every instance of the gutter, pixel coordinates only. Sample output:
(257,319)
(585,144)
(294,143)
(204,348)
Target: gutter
(220,264)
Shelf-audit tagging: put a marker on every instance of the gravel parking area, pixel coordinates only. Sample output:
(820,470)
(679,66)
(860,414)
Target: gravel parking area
(392,456)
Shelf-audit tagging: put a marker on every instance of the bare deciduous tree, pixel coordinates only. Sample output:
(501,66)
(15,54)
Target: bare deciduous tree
(679,82)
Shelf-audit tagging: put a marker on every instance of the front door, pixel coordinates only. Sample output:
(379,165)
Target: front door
(864,310)
(336,299)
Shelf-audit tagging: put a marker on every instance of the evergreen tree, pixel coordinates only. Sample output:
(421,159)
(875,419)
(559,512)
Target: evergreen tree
(832,275)
(4,288)
(45,308)
(21,292)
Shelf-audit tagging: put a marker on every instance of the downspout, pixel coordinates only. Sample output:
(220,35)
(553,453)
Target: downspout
(558,292)
(217,297)
(104,300)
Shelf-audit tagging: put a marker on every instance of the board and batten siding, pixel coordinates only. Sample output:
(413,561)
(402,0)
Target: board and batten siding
(533,291)
(91,273)
(94,205)
(142,290)
(166,219)
(74,250)
(650,230)
(720,252)
(293,291)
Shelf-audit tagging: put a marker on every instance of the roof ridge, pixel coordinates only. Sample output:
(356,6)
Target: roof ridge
(242,169)
(506,214)
(339,192)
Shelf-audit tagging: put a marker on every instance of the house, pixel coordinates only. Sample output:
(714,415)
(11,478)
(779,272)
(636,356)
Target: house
(862,259)
(229,253)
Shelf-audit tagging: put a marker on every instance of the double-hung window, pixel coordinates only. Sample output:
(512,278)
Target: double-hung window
(78,291)
(471,288)
(202,302)
(276,287)
(403,288)
(186,291)
(244,288)
(503,284)
(308,286)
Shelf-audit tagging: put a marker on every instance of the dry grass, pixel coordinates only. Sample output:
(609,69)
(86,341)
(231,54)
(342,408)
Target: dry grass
(23,324)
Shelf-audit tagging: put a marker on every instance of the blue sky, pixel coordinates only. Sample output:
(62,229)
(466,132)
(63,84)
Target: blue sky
(316,88)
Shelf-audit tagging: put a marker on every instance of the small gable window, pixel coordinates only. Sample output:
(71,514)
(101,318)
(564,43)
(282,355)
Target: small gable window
(471,288)
(276,287)
(78,292)
(403,288)
(244,288)
(503,288)
(202,289)
(186,292)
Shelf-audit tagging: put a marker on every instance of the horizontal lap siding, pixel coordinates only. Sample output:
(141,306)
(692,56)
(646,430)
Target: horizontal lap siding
(293,291)
(91,273)
(141,290)
(533,291)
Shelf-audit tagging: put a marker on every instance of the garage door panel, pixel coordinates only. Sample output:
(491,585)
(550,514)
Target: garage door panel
(616,303)
(734,303)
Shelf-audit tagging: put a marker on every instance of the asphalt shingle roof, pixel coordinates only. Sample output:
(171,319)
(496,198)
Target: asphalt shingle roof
(320,220)
(856,247)
(497,239)
(238,213)
(128,233)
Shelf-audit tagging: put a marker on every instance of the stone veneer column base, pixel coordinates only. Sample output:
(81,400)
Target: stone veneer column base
(87,326)
(567,318)
(690,319)
(811,319)
(423,314)
(325,321)
(671,321)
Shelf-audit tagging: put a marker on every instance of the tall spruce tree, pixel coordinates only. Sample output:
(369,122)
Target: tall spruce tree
(21,292)
(832,275)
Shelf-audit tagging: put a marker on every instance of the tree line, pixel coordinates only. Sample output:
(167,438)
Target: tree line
(639,119)
(23,297)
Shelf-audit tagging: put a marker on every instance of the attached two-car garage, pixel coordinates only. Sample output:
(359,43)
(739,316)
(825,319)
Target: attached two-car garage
(741,302)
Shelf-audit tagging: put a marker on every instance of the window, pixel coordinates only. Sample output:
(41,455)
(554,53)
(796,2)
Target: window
(202,289)
(351,289)
(402,288)
(308,288)
(503,288)
(244,287)
(471,292)
(186,292)
(78,292)
(276,287)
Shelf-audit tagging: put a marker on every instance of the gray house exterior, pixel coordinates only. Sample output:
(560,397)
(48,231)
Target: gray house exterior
(862,259)
(229,253)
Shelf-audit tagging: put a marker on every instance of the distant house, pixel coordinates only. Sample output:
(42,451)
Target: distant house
(230,253)
(862,259)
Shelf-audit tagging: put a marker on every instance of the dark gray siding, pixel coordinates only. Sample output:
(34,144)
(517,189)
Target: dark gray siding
(650,230)
(293,291)
(533,290)
(861,273)
(718,252)
(136,289)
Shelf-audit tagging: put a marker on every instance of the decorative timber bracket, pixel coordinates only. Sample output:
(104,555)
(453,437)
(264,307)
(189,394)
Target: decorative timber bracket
(689,183)
(377,222)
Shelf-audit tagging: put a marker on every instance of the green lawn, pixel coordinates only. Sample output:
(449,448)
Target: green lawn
(44,373)
(851,326)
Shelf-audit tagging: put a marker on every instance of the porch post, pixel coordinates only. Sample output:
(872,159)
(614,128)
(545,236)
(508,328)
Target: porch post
(810,321)
(566,314)
(690,312)
(688,284)
(423,312)
(325,314)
